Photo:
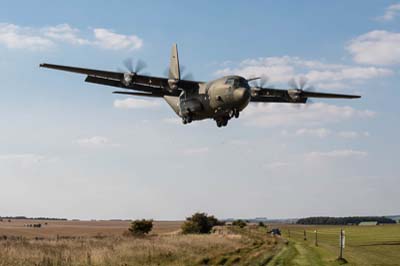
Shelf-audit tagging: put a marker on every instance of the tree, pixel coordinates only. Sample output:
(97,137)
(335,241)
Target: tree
(141,227)
(199,223)
(239,223)
(344,220)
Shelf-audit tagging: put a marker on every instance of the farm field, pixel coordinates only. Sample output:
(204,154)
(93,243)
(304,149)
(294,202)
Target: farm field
(364,245)
(103,243)
(76,228)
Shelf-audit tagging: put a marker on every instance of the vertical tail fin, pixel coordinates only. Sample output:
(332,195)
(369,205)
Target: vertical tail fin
(174,71)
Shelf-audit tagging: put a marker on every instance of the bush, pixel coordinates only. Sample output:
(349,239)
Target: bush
(199,223)
(141,227)
(239,223)
(261,224)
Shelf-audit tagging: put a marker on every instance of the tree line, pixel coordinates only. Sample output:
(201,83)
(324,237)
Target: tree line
(31,218)
(344,220)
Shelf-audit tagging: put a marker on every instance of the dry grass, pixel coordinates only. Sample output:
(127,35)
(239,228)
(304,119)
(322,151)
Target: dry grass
(102,243)
(77,228)
(156,250)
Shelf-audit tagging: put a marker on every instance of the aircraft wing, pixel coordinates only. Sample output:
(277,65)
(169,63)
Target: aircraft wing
(153,86)
(292,95)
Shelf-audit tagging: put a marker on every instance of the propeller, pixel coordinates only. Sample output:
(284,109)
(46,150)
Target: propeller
(297,88)
(300,84)
(134,68)
(260,82)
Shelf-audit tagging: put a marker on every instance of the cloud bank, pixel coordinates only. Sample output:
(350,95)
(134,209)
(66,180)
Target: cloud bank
(18,37)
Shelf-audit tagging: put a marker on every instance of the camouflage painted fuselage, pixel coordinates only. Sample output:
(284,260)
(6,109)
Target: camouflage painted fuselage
(215,99)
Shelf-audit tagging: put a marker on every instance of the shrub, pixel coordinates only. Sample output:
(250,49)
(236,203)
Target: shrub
(141,227)
(261,224)
(199,223)
(239,223)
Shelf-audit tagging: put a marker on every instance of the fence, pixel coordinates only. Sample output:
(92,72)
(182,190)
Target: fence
(344,237)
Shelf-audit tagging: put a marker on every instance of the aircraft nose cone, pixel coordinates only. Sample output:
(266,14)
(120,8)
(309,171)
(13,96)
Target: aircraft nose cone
(241,94)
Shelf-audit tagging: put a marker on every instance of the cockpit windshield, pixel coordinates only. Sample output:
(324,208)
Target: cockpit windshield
(237,82)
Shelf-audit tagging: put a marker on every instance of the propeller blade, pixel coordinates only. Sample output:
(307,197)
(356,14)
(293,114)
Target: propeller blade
(182,68)
(252,79)
(292,84)
(128,63)
(140,65)
(302,82)
(188,76)
(263,81)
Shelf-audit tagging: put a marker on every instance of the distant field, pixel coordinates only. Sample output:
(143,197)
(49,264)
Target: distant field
(364,245)
(77,228)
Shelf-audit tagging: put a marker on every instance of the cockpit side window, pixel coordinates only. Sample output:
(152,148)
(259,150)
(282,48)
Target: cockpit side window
(243,83)
(230,81)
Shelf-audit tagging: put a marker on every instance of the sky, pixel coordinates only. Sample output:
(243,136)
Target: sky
(72,149)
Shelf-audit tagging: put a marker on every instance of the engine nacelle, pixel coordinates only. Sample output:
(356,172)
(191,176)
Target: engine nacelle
(128,77)
(173,84)
(295,94)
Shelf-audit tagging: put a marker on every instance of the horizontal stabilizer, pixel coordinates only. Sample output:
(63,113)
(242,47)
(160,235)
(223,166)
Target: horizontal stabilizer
(137,94)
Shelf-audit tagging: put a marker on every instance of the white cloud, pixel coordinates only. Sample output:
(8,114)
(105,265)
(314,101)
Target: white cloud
(96,141)
(313,132)
(173,121)
(274,115)
(133,103)
(348,134)
(324,132)
(24,159)
(194,151)
(275,165)
(323,75)
(93,141)
(336,154)
(348,73)
(110,40)
(377,47)
(65,33)
(16,37)
(391,12)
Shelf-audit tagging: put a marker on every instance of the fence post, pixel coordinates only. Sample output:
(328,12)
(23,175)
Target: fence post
(341,244)
(289,232)
(305,235)
(316,237)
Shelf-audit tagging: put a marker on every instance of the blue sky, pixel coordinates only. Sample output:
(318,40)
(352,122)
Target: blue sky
(72,149)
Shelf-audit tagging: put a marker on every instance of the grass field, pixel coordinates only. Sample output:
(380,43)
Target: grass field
(364,245)
(103,243)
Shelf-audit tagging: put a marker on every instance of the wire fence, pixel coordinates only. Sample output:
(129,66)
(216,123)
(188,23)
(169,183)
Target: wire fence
(353,236)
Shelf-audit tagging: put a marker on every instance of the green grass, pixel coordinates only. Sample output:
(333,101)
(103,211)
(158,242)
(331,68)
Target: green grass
(365,245)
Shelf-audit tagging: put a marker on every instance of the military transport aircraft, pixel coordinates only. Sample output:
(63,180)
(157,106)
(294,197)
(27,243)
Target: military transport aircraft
(220,99)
